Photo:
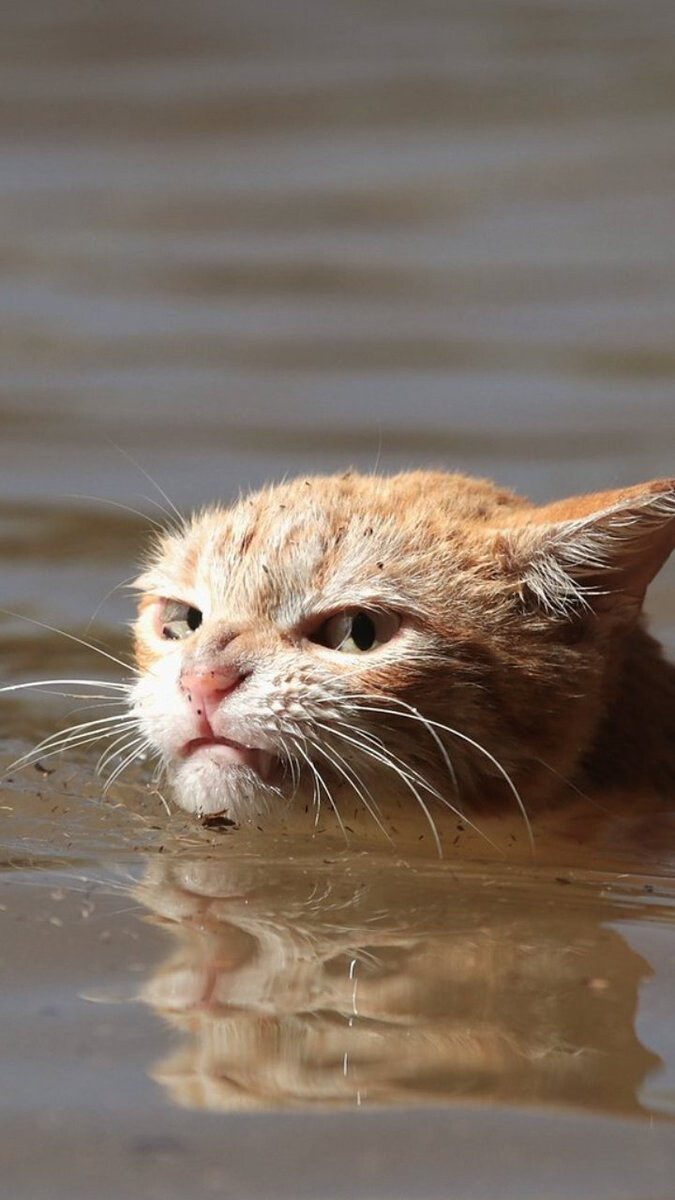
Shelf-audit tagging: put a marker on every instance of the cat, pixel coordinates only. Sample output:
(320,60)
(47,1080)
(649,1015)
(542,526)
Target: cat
(425,632)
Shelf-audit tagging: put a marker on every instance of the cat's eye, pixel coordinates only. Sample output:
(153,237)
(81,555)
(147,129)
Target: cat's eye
(356,632)
(179,620)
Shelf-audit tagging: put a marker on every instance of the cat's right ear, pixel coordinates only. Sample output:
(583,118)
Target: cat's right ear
(594,554)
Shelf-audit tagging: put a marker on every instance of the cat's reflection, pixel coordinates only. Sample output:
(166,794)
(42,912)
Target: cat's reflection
(382,985)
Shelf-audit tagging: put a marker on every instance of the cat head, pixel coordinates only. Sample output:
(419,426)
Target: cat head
(426,631)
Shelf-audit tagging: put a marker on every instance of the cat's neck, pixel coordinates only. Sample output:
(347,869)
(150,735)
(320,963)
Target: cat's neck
(635,744)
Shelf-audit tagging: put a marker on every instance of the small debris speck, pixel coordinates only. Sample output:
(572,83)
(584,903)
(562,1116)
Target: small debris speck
(218,822)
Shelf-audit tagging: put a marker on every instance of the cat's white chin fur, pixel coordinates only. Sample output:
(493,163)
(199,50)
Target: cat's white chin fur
(201,785)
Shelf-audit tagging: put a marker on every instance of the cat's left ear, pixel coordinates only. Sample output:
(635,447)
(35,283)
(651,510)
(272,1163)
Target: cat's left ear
(596,553)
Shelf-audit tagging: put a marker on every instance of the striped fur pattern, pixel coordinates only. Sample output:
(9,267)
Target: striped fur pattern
(518,630)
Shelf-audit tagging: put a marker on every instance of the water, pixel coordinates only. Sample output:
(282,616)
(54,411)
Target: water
(240,241)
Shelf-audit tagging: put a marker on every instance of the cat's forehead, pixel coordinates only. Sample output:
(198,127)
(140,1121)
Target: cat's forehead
(288,552)
(320,543)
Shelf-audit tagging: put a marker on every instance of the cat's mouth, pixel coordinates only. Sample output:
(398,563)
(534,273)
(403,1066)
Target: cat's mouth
(227,754)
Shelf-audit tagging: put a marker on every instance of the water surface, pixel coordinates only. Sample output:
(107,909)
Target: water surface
(241,241)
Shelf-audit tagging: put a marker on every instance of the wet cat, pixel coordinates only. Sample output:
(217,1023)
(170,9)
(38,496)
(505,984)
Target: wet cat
(426,632)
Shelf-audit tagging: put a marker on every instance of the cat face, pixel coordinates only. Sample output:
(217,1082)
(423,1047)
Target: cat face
(425,632)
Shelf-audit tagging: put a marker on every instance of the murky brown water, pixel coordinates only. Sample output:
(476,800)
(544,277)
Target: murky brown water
(247,240)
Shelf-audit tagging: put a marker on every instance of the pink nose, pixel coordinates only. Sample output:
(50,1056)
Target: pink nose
(205,689)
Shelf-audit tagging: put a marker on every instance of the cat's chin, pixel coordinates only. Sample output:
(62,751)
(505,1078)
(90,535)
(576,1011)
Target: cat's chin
(208,786)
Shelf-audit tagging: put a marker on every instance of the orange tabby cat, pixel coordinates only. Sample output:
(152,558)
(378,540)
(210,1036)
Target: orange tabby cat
(428,631)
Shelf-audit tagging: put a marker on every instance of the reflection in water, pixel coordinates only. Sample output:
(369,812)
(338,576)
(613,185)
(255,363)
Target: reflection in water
(243,244)
(381,984)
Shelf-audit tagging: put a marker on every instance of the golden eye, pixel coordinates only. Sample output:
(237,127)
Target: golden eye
(179,620)
(357,632)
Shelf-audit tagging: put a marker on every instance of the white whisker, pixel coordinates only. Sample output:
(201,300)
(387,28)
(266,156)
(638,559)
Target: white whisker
(409,775)
(41,683)
(177,514)
(111,752)
(124,583)
(140,745)
(101,725)
(291,761)
(321,781)
(40,752)
(335,759)
(137,512)
(414,715)
(71,638)
(80,708)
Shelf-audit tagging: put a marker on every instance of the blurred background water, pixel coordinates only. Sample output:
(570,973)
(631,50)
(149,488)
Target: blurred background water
(243,240)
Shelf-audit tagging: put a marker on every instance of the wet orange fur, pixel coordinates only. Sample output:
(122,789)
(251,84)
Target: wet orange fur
(522,623)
